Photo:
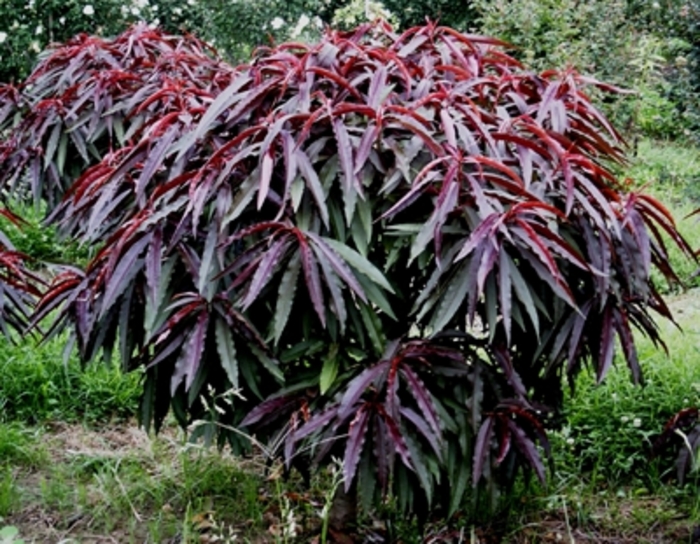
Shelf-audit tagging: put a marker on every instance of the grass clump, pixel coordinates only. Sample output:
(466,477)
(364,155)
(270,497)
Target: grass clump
(37,386)
(39,241)
(610,427)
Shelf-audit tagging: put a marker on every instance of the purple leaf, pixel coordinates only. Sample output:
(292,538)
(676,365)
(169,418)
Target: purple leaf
(482,449)
(338,264)
(354,445)
(313,282)
(266,269)
(268,410)
(607,345)
(313,184)
(422,397)
(153,263)
(357,387)
(190,356)
(317,422)
(424,429)
(527,450)
(265,176)
(124,272)
(377,87)
(398,440)
(383,454)
(345,156)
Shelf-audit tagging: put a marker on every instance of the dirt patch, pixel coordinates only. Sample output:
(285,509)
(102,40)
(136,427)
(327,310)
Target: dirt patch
(66,441)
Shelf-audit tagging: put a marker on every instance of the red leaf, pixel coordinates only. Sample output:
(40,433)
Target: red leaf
(313,282)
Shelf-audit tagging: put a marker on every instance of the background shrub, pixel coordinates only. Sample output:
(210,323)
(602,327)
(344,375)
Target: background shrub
(644,46)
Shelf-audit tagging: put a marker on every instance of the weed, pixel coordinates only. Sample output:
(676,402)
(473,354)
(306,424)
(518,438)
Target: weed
(10,535)
(8,492)
(18,446)
(610,427)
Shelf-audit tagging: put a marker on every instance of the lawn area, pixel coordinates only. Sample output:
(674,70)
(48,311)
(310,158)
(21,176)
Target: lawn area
(75,467)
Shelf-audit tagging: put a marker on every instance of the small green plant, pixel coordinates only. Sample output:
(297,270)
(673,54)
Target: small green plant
(39,241)
(610,429)
(336,481)
(19,446)
(10,535)
(8,491)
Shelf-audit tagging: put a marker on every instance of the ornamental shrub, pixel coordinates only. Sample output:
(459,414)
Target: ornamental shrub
(388,247)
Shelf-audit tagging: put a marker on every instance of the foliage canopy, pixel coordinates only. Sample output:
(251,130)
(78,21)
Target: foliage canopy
(390,247)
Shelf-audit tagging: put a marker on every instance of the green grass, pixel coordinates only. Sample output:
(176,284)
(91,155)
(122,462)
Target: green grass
(40,242)
(119,482)
(37,386)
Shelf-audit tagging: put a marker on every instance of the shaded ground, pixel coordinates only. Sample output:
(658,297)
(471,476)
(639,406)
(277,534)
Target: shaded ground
(118,485)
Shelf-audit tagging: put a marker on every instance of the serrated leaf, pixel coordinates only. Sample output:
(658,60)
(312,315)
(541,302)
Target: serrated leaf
(452,298)
(313,183)
(128,266)
(329,371)
(482,450)
(361,264)
(226,350)
(190,355)
(207,270)
(357,387)
(354,445)
(285,298)
(268,363)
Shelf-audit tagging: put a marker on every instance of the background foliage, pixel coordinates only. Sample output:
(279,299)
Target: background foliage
(29,26)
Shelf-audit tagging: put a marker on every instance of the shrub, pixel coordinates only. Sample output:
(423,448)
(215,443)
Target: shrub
(389,247)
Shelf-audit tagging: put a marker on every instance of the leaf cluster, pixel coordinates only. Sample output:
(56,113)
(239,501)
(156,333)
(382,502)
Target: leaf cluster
(19,286)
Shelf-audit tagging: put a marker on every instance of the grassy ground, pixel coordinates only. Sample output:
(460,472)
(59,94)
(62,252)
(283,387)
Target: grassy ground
(75,468)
